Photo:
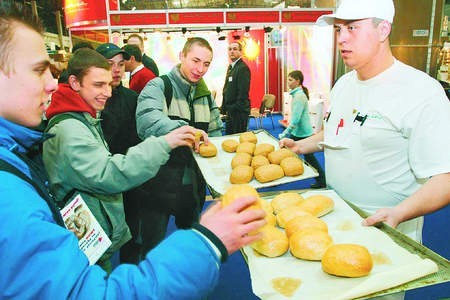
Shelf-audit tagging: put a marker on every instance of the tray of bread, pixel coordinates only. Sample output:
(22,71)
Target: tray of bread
(253,158)
(314,247)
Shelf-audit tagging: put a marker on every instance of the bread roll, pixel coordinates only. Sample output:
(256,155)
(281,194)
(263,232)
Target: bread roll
(258,161)
(277,156)
(309,244)
(241,174)
(198,136)
(229,145)
(241,159)
(317,205)
(292,166)
(283,200)
(347,260)
(209,150)
(238,191)
(288,214)
(264,149)
(273,242)
(269,173)
(246,147)
(270,217)
(248,137)
(306,222)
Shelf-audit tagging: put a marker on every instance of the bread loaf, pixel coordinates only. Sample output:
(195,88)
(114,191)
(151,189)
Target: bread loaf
(241,159)
(277,156)
(283,200)
(246,147)
(258,161)
(264,149)
(209,150)
(273,242)
(238,191)
(248,137)
(268,173)
(289,213)
(270,217)
(309,244)
(306,222)
(292,166)
(241,174)
(317,205)
(229,145)
(347,260)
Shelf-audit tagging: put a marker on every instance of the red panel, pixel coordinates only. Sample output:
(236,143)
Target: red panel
(274,75)
(196,17)
(252,17)
(82,12)
(308,16)
(138,19)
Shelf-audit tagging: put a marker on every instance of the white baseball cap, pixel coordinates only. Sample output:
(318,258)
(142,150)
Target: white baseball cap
(360,9)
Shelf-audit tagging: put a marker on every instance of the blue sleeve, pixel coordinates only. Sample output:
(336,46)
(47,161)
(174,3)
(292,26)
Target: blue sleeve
(41,260)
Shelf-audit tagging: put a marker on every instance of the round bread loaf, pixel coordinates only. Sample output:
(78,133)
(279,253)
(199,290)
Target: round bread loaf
(289,213)
(317,205)
(248,137)
(241,159)
(309,244)
(241,174)
(229,145)
(238,191)
(283,200)
(264,149)
(270,217)
(277,156)
(209,150)
(292,166)
(273,242)
(198,136)
(246,147)
(347,260)
(258,161)
(306,222)
(269,173)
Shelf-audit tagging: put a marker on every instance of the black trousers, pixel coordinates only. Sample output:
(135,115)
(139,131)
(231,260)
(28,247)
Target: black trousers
(312,160)
(236,122)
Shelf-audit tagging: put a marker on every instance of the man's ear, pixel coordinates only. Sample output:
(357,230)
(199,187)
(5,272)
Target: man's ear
(385,30)
(74,83)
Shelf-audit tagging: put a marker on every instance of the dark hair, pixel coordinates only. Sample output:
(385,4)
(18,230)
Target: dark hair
(298,75)
(83,59)
(13,15)
(133,50)
(196,41)
(80,45)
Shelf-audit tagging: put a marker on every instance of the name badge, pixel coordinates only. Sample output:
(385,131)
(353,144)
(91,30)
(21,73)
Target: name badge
(230,79)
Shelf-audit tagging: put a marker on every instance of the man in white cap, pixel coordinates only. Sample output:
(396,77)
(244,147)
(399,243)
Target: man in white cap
(386,139)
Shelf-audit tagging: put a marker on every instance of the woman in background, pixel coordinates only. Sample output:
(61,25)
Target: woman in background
(300,124)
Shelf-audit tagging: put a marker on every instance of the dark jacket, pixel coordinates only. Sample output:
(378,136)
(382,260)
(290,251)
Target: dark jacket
(235,92)
(150,64)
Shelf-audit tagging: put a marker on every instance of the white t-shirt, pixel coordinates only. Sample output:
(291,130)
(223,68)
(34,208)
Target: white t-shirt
(401,136)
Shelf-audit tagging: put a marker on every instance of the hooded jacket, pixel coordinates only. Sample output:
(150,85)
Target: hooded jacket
(76,159)
(31,241)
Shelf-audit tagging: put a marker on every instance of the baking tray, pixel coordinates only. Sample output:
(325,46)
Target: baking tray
(216,170)
(441,276)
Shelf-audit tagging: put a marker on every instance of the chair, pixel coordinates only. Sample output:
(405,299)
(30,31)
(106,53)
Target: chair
(266,109)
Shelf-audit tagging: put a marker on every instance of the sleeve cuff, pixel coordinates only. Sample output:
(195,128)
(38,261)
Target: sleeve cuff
(213,239)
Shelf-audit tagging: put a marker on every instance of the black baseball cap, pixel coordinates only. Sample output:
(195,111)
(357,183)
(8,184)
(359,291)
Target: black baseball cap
(109,50)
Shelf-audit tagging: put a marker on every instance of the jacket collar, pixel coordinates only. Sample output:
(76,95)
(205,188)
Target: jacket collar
(201,89)
(19,138)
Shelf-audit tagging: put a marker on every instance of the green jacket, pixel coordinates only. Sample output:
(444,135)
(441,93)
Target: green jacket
(76,159)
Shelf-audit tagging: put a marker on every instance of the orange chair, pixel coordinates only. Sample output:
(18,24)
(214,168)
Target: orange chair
(266,109)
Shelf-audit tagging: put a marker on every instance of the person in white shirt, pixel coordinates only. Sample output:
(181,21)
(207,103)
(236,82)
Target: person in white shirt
(386,140)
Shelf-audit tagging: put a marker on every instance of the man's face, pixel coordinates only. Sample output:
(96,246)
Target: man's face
(359,42)
(196,63)
(233,51)
(117,69)
(137,42)
(95,87)
(26,90)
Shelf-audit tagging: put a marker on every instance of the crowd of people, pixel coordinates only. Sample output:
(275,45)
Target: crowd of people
(127,152)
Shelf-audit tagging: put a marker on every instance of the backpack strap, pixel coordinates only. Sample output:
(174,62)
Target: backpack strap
(168,91)
(69,115)
(7,167)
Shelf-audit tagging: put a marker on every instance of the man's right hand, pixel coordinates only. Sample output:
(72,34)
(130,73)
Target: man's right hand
(182,136)
(231,224)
